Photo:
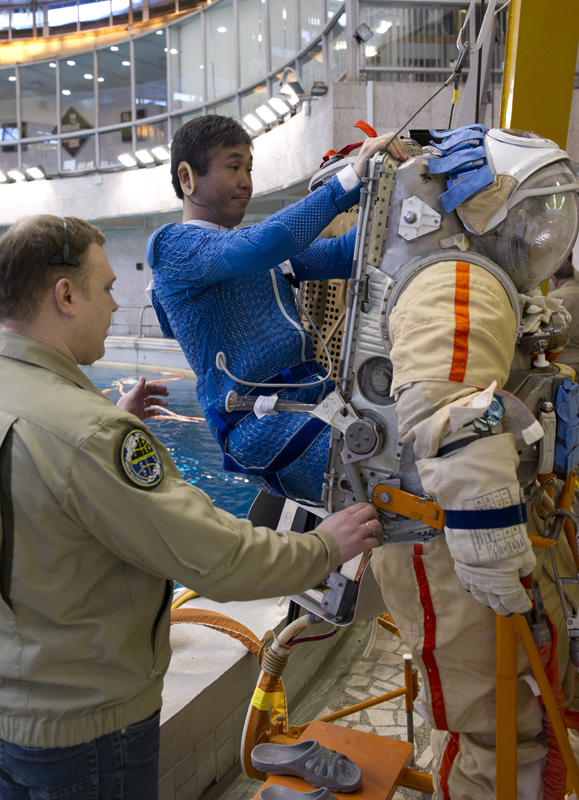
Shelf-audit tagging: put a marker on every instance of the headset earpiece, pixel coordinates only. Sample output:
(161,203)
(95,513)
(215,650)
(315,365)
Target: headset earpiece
(192,186)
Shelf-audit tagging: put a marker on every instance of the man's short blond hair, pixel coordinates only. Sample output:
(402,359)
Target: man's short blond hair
(25,250)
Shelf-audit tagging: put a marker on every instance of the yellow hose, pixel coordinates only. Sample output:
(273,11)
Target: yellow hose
(188,594)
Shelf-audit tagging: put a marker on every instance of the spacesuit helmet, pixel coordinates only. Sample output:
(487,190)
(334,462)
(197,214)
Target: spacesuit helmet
(507,187)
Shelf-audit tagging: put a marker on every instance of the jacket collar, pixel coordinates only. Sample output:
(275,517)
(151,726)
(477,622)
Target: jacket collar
(23,348)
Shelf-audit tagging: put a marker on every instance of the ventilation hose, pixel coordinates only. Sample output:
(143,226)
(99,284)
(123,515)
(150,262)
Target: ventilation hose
(267,693)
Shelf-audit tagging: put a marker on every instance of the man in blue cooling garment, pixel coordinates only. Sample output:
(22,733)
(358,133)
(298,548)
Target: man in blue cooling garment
(223,294)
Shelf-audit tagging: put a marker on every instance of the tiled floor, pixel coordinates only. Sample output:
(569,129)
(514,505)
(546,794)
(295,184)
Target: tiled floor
(349,678)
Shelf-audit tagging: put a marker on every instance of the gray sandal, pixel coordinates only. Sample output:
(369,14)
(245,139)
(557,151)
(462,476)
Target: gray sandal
(285,793)
(317,765)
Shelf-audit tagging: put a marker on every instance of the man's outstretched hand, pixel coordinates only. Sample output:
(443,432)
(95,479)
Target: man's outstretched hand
(371,146)
(142,396)
(355,529)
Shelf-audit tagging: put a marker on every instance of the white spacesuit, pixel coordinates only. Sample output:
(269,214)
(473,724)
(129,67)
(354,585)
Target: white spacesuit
(445,367)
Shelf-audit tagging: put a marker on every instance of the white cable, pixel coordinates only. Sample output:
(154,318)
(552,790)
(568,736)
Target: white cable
(372,640)
(221,360)
(296,325)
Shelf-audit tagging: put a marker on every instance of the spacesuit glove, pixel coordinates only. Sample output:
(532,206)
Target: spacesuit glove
(497,585)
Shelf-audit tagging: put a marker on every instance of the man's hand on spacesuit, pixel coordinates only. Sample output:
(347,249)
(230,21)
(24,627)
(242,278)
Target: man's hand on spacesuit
(371,146)
(497,585)
(355,529)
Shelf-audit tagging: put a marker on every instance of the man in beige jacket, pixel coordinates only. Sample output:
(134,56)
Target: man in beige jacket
(96,522)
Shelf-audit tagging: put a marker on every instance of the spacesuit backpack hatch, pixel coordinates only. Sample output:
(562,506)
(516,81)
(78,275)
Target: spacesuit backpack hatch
(450,401)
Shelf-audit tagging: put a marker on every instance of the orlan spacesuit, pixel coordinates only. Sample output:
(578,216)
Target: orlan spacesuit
(439,344)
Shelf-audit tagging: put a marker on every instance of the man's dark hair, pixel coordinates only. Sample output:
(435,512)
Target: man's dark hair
(195,140)
(25,250)
(566,270)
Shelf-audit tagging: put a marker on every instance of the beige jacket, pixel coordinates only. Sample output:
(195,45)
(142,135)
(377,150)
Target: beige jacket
(87,555)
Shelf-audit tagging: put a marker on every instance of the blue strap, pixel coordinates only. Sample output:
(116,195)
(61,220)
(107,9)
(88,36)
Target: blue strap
(477,126)
(216,417)
(468,186)
(458,161)
(286,375)
(297,446)
(487,519)
(460,138)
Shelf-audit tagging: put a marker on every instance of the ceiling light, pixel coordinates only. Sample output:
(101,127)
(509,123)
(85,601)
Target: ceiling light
(127,160)
(144,157)
(266,114)
(114,48)
(290,85)
(159,33)
(3,177)
(370,51)
(363,32)
(71,63)
(52,64)
(384,26)
(100,80)
(16,175)
(292,97)
(161,153)
(88,76)
(252,122)
(66,92)
(36,172)
(222,30)
(12,78)
(173,51)
(278,105)
(126,63)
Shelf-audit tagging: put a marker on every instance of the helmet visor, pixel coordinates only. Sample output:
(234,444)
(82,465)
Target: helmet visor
(538,233)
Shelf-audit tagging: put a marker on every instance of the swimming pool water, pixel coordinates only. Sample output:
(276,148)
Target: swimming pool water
(193,449)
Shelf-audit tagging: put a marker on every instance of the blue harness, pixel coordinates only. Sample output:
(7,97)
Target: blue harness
(293,449)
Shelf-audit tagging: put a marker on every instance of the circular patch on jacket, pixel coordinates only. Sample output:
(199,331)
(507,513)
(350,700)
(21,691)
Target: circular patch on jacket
(140,461)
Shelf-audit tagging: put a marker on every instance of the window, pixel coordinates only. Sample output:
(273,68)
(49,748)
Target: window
(220,50)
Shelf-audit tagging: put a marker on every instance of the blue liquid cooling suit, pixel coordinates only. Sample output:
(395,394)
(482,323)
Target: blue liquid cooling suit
(224,291)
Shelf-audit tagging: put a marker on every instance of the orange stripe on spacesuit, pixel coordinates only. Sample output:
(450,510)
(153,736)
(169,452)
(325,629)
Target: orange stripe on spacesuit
(462,324)
(450,753)
(429,646)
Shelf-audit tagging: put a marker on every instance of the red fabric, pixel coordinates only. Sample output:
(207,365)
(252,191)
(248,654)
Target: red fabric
(365,128)
(345,151)
(429,645)
(450,753)
(462,324)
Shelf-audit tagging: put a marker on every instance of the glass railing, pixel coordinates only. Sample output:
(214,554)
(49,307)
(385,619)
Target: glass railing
(84,112)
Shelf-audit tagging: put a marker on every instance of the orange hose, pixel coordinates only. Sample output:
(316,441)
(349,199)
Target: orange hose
(218,622)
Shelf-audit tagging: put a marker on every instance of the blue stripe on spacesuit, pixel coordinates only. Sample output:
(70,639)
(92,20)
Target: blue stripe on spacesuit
(486,519)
